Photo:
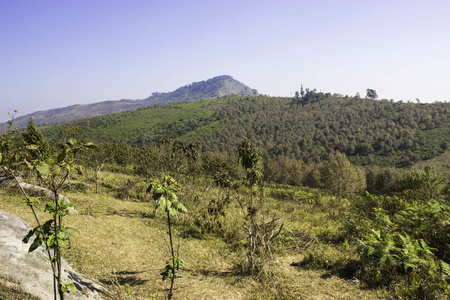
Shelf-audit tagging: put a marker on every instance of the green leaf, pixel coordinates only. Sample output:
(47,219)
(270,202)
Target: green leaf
(63,155)
(73,229)
(181,207)
(27,237)
(32,201)
(66,287)
(64,235)
(445,268)
(43,168)
(50,207)
(174,198)
(62,243)
(55,169)
(160,190)
(36,243)
(172,211)
(164,203)
(181,262)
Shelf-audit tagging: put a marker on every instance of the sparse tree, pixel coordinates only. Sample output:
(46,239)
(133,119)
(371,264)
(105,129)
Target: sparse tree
(34,137)
(341,177)
(371,94)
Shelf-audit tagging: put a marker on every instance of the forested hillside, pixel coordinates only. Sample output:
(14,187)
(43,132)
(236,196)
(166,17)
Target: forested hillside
(308,128)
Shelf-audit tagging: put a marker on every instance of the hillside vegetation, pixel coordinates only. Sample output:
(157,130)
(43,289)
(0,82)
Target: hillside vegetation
(211,88)
(308,129)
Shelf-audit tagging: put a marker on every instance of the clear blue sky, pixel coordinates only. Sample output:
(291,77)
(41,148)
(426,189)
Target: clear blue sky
(64,52)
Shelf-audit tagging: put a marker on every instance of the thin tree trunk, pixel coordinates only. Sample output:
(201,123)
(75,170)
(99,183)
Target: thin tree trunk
(173,257)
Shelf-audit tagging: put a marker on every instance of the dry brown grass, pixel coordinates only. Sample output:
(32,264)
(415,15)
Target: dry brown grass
(119,244)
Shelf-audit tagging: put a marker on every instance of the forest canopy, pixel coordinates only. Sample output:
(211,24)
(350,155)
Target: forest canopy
(309,128)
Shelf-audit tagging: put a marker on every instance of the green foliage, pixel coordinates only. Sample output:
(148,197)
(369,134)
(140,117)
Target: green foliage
(403,232)
(368,132)
(429,221)
(382,180)
(309,96)
(404,244)
(67,287)
(9,150)
(371,94)
(284,170)
(165,195)
(341,177)
(249,156)
(423,185)
(34,137)
(49,234)
(260,229)
(388,256)
(53,171)
(171,268)
(52,168)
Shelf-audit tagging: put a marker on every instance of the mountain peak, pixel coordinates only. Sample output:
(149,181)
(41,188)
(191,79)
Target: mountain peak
(214,87)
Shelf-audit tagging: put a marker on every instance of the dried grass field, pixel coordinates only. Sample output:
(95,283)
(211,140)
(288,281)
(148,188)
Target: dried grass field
(124,247)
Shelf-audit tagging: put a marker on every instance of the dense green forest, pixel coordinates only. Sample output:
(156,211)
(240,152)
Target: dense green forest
(306,128)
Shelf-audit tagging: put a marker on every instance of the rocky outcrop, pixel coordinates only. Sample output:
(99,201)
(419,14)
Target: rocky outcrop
(32,272)
(31,189)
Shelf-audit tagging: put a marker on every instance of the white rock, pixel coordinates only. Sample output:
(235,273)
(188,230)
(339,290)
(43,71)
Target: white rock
(32,271)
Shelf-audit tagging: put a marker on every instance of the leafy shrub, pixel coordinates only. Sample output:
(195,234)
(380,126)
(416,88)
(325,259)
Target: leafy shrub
(429,221)
(341,177)
(284,171)
(389,258)
(423,185)
(364,211)
(397,251)
(382,181)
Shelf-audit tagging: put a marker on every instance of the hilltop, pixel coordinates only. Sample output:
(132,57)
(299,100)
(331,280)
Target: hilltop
(211,88)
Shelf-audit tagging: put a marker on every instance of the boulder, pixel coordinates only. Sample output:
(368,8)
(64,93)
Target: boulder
(32,272)
(8,179)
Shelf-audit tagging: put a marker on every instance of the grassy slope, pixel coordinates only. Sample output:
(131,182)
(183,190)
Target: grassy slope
(120,243)
(213,87)
(154,123)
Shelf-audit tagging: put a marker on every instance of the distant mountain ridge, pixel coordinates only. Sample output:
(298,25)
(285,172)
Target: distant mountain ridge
(214,87)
